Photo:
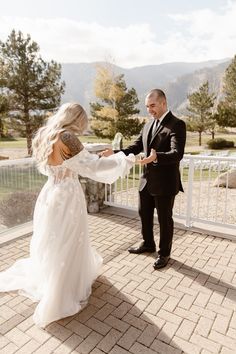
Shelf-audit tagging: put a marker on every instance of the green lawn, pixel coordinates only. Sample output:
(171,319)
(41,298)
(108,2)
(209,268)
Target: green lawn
(21,142)
(191,144)
(18,143)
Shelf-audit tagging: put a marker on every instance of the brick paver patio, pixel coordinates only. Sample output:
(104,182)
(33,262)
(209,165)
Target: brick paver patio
(187,307)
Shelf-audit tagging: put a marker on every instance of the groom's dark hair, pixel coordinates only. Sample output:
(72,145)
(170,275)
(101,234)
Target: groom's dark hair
(158,93)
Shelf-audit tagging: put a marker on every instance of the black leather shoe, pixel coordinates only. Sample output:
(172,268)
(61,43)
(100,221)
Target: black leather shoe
(161,262)
(142,249)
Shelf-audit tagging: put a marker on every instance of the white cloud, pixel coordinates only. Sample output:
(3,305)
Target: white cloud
(208,34)
(196,36)
(69,41)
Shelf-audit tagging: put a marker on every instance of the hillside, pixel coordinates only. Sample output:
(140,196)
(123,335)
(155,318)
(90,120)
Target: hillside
(177,79)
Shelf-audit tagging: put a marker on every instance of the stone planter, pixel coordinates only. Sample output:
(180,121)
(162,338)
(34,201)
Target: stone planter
(94,191)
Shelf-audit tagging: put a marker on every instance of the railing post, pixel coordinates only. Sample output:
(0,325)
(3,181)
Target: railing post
(188,222)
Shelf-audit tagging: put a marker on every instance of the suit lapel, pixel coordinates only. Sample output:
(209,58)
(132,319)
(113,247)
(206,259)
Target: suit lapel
(146,134)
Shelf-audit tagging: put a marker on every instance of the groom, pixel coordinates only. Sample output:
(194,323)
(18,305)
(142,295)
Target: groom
(160,182)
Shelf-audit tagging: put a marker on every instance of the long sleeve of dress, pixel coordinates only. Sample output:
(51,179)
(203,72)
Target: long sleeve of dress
(103,169)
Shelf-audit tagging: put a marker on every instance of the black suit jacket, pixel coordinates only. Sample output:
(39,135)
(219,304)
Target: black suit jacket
(163,177)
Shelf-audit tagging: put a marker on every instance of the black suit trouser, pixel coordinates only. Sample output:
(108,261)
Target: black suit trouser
(164,206)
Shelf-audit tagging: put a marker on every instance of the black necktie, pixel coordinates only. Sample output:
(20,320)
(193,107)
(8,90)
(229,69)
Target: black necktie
(154,127)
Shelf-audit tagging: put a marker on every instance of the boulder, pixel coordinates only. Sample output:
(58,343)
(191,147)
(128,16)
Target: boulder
(226,179)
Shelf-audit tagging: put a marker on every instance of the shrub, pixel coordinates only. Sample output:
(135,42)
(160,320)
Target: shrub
(219,143)
(17,208)
(229,143)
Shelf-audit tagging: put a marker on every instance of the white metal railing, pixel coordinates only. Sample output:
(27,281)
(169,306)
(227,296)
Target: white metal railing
(204,199)
(208,199)
(19,175)
(20,183)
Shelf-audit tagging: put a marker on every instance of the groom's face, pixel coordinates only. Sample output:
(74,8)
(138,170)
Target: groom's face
(156,107)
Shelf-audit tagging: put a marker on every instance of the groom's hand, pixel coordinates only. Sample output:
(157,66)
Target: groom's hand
(106,153)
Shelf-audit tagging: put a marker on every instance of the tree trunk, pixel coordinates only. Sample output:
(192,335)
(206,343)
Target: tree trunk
(28,131)
(1,128)
(213,135)
(29,145)
(200,138)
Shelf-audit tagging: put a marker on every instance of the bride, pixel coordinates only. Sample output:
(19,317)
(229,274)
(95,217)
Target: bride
(62,264)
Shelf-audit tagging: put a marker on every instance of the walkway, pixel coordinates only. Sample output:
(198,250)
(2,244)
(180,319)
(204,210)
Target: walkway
(188,307)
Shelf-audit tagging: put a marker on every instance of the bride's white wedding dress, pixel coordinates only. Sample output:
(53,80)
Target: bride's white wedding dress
(62,264)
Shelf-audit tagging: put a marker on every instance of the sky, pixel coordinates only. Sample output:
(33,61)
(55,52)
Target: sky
(128,33)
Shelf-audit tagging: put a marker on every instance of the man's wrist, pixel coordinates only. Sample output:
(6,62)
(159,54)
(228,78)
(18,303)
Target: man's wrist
(156,160)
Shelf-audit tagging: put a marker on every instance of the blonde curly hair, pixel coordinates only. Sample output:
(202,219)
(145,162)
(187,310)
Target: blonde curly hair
(70,117)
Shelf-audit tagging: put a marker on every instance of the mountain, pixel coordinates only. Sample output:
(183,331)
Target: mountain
(178,90)
(176,79)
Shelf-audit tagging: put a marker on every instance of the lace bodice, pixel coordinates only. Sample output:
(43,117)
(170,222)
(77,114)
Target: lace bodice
(60,173)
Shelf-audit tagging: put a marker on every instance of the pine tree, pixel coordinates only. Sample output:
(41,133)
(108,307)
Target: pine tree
(4,107)
(115,111)
(225,115)
(230,84)
(200,106)
(32,85)
(226,110)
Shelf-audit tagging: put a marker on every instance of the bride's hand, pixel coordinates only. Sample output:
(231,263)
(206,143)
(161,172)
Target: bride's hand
(152,157)
(106,153)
